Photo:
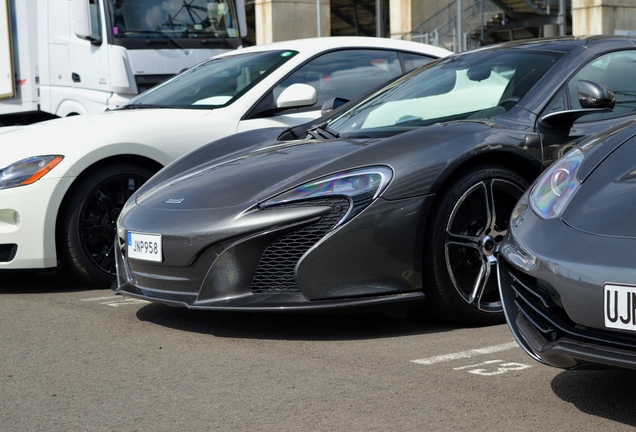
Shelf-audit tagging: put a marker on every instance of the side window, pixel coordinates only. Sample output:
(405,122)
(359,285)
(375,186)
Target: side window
(96,30)
(616,71)
(559,102)
(413,61)
(346,73)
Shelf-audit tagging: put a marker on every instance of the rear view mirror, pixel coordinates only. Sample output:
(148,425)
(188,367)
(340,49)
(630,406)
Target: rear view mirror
(332,104)
(81,18)
(593,98)
(297,95)
(593,95)
(479,73)
(85,20)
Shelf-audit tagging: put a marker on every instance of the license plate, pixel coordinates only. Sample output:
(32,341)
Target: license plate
(145,247)
(620,306)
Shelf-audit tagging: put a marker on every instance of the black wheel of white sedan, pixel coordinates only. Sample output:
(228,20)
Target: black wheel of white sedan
(469,222)
(87,222)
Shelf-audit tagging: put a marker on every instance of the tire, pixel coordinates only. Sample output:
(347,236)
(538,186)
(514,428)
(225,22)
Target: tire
(86,226)
(466,226)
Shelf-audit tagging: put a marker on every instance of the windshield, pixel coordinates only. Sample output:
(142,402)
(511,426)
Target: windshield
(213,83)
(173,18)
(475,85)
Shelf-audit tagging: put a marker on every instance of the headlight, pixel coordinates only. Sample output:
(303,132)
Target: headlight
(27,171)
(361,186)
(555,187)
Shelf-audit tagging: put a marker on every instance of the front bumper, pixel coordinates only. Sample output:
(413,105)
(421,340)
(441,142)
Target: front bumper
(242,299)
(551,280)
(301,264)
(28,216)
(550,337)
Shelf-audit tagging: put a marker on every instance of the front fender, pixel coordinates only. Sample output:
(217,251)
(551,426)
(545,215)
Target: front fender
(426,159)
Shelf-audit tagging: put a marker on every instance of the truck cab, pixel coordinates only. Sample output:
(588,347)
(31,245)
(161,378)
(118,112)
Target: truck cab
(86,56)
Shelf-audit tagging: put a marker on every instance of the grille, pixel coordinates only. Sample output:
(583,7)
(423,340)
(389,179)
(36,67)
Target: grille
(275,271)
(539,304)
(7,252)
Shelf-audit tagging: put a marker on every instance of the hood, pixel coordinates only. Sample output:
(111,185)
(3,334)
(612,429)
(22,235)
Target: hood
(75,136)
(604,204)
(245,178)
(599,146)
(250,167)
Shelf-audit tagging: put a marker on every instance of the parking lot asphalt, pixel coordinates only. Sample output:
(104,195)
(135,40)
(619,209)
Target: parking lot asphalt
(76,358)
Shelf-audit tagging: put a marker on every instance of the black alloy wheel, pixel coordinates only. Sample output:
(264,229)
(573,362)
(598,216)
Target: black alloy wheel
(468,225)
(86,227)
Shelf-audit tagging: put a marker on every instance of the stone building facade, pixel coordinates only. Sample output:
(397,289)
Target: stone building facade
(277,20)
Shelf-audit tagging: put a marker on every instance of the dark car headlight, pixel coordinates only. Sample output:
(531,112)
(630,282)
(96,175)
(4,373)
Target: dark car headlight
(361,186)
(557,185)
(27,171)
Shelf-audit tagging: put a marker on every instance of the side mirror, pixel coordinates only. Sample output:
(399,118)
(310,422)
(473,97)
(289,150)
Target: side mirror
(81,19)
(82,22)
(241,17)
(297,95)
(593,97)
(332,104)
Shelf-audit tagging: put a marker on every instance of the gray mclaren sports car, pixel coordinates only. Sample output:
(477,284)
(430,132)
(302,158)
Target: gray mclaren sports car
(396,201)
(567,271)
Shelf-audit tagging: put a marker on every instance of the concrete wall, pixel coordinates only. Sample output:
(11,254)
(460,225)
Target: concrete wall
(280,20)
(406,15)
(603,16)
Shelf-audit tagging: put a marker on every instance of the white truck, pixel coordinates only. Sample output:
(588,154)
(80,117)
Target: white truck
(68,57)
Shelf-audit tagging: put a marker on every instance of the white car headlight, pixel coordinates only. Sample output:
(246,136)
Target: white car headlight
(27,170)
(557,185)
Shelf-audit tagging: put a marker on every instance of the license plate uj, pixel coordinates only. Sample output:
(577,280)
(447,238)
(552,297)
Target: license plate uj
(620,306)
(144,246)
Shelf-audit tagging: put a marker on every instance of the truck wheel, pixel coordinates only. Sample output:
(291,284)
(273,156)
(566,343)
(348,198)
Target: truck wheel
(86,226)
(468,223)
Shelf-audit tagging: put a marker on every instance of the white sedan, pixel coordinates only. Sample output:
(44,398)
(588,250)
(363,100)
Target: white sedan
(63,182)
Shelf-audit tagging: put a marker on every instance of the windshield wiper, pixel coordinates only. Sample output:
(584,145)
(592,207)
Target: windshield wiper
(162,34)
(322,131)
(143,106)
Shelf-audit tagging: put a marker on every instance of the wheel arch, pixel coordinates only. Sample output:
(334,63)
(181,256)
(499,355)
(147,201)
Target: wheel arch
(69,108)
(143,161)
(516,159)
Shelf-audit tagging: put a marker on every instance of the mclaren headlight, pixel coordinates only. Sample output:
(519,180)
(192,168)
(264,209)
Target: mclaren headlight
(557,185)
(27,171)
(361,186)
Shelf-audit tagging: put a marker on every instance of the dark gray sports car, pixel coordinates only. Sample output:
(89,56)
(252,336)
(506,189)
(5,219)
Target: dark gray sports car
(567,270)
(398,200)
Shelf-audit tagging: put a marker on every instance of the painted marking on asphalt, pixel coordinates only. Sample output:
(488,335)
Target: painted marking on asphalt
(99,298)
(115,301)
(493,367)
(466,354)
(487,362)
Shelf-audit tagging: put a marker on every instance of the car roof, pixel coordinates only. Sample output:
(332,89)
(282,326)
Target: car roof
(312,46)
(596,43)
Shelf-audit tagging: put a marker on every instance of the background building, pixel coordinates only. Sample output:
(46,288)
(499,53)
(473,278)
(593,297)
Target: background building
(457,25)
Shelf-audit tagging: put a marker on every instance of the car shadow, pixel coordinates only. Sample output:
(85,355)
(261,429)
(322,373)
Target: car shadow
(39,282)
(288,326)
(602,393)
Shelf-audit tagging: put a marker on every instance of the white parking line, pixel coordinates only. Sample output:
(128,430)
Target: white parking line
(466,354)
(124,301)
(99,298)
(115,301)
